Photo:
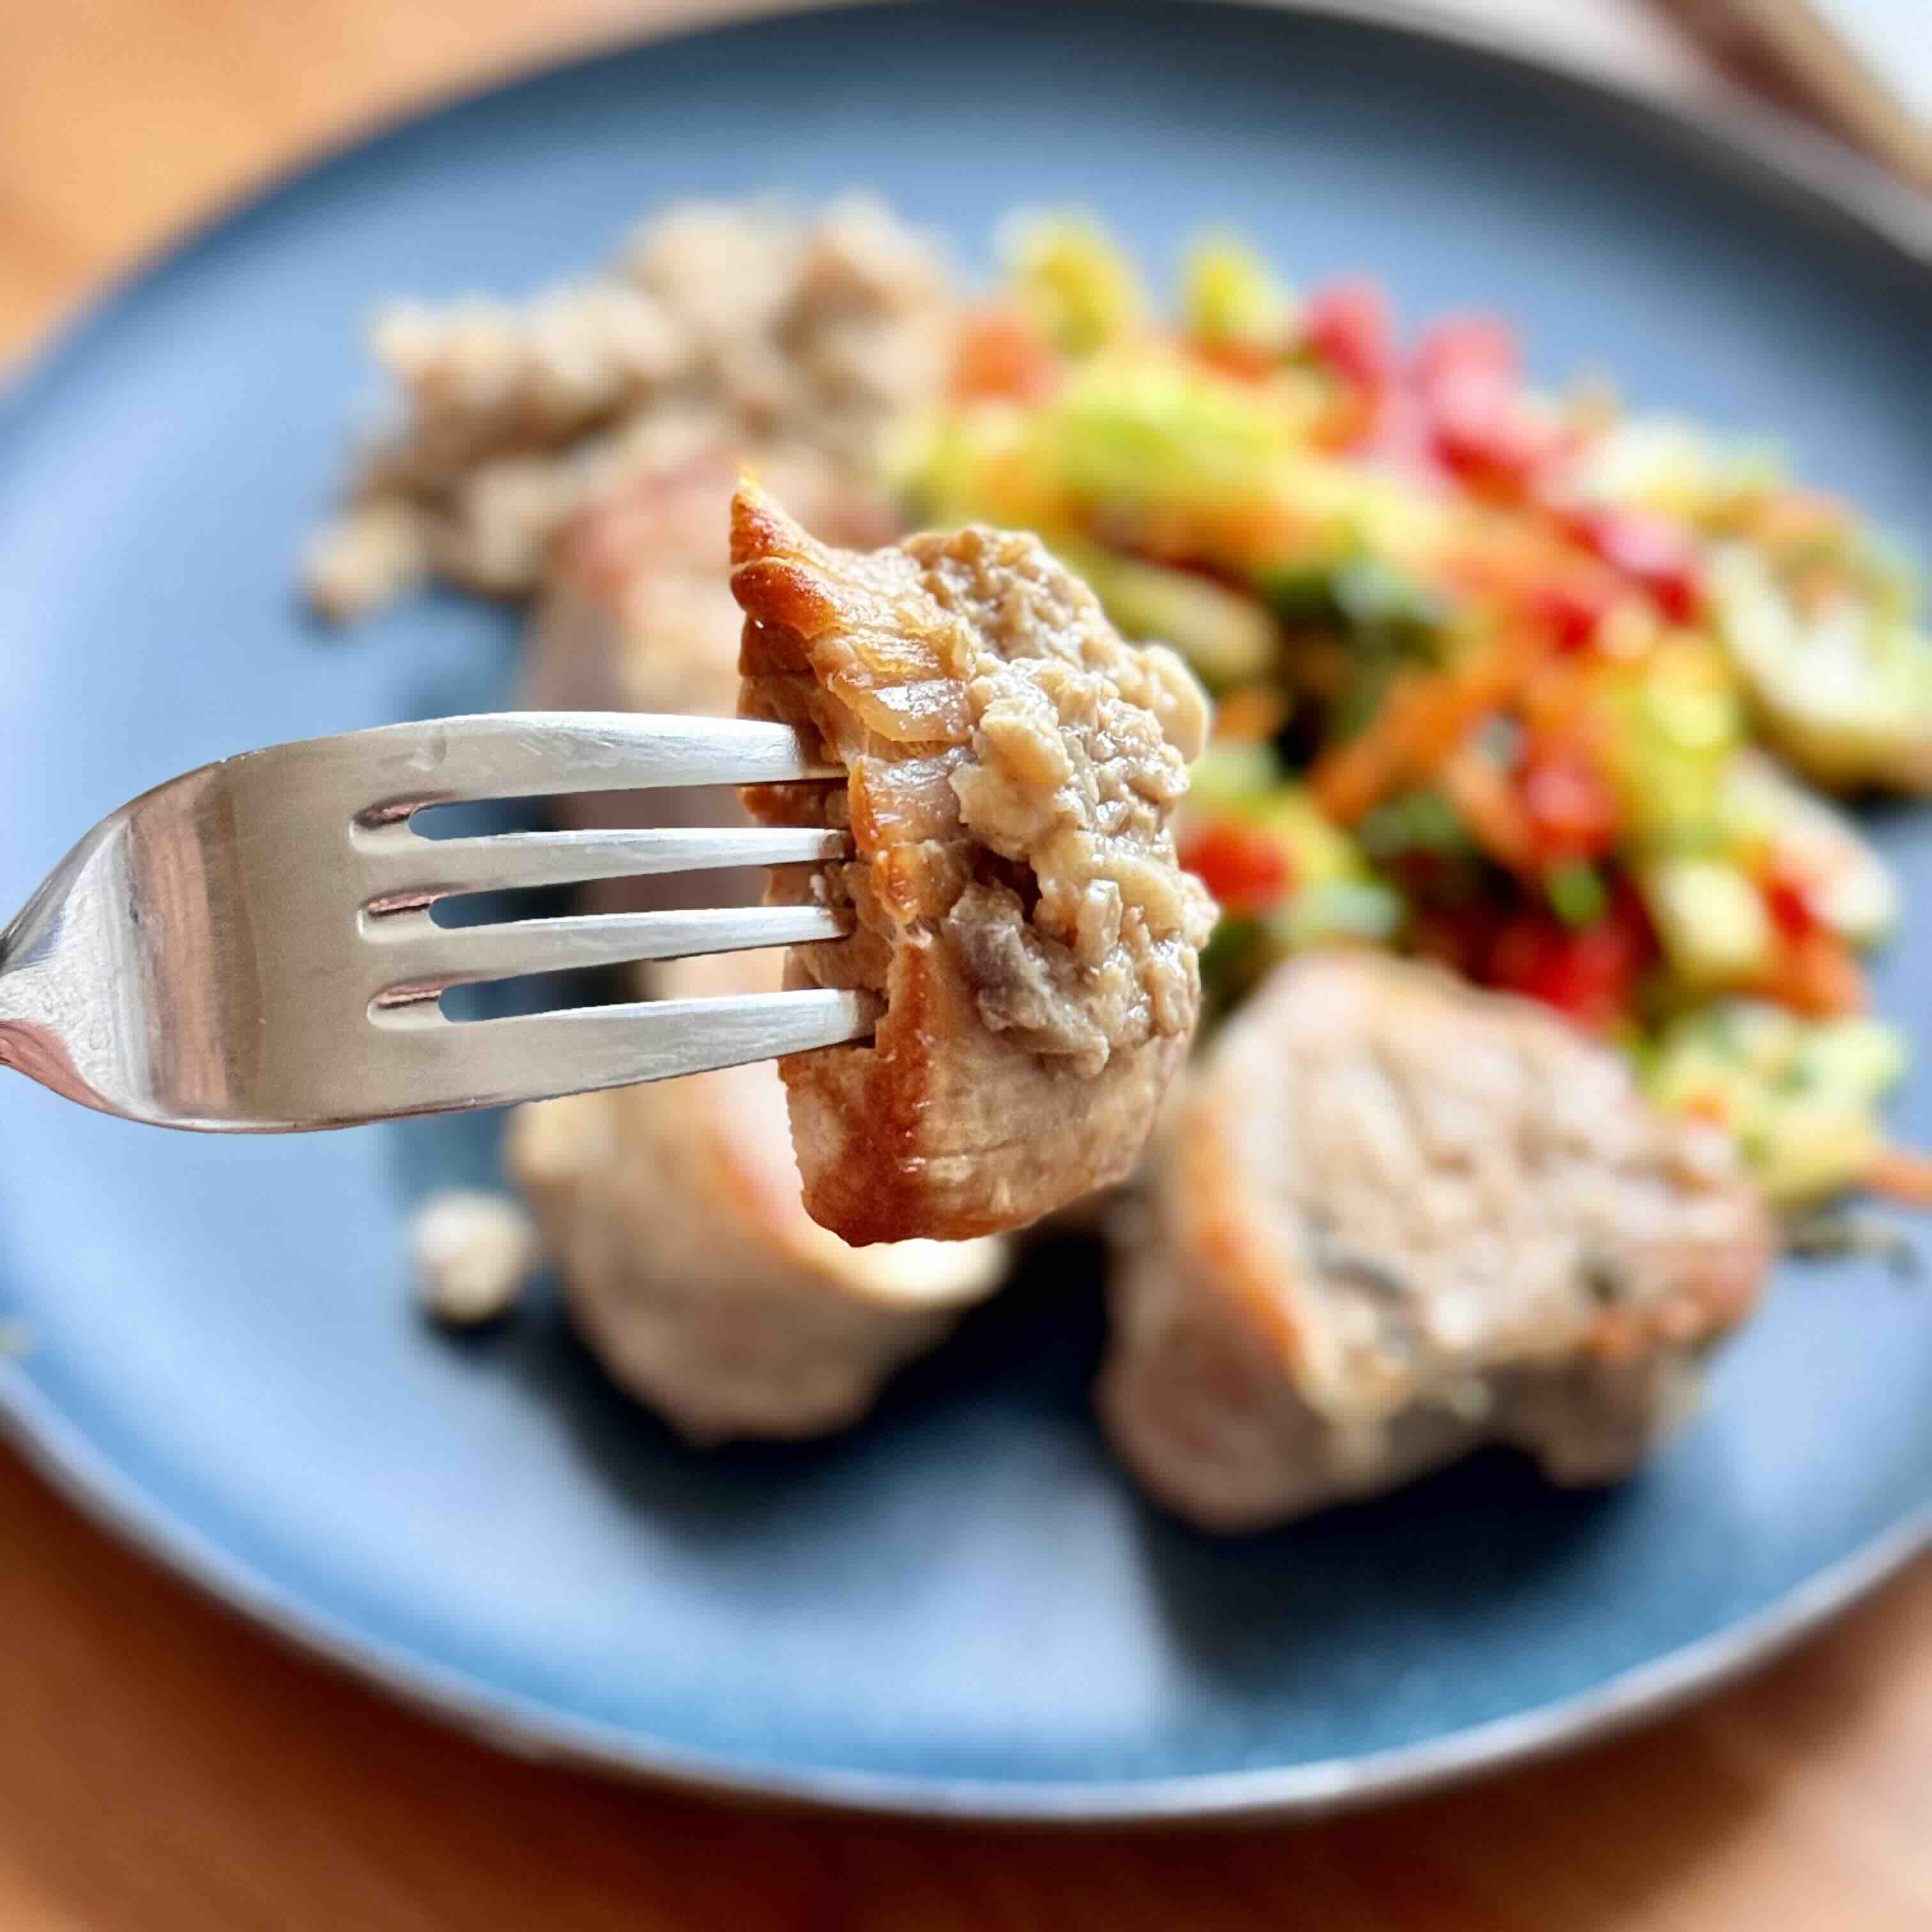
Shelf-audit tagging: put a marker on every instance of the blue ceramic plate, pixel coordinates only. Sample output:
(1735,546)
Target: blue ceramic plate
(961,1605)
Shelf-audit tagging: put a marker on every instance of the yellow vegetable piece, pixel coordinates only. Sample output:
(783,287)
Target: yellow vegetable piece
(1079,285)
(1711,919)
(1800,1097)
(1229,294)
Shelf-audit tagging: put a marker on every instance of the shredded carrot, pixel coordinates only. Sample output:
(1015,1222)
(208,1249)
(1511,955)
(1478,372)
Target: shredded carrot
(1254,533)
(1251,714)
(1487,805)
(1425,716)
(1246,361)
(1000,353)
(1815,972)
(1794,516)
(1903,1174)
(1353,417)
(1559,701)
(1352,779)
(1714,1108)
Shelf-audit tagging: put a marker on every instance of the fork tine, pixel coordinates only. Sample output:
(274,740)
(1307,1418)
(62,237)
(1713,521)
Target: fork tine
(420,959)
(531,754)
(535,1057)
(407,869)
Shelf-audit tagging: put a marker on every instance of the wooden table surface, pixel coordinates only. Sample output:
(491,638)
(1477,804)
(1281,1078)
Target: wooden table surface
(162,1765)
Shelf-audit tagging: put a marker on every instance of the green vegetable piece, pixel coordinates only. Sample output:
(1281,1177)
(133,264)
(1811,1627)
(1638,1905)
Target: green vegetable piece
(1857,1059)
(1231,777)
(1354,707)
(1339,909)
(1227,636)
(1799,1096)
(1414,821)
(1363,596)
(1576,893)
(1139,433)
(1845,692)
(1374,594)
(1304,596)
(1237,955)
(1678,721)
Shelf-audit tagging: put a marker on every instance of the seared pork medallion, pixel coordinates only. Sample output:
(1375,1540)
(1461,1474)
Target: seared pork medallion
(1394,1217)
(691,1266)
(637,614)
(1012,769)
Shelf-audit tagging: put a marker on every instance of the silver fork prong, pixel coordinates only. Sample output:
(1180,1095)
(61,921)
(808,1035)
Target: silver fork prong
(535,1057)
(250,947)
(530,755)
(418,959)
(405,869)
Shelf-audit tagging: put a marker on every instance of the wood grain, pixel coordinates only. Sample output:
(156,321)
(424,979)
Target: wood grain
(164,1767)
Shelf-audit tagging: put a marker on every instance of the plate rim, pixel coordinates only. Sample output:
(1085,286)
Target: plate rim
(527,1727)
(1760,146)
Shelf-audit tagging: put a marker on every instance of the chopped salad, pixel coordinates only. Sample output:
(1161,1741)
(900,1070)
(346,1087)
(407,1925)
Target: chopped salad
(1548,690)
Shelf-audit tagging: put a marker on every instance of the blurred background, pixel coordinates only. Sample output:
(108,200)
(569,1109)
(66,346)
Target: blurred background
(155,110)
(162,1765)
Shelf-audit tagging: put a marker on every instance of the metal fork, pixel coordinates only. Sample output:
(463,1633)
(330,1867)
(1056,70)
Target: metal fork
(249,948)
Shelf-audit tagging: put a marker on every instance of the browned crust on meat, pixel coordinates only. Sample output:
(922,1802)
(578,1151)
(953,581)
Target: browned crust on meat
(871,1125)
(941,1127)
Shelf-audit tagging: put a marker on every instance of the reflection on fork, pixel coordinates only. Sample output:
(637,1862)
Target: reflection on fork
(250,948)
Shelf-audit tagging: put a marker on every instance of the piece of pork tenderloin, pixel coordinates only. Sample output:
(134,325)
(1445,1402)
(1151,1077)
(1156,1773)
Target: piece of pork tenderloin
(690,1265)
(1394,1217)
(1013,767)
(637,614)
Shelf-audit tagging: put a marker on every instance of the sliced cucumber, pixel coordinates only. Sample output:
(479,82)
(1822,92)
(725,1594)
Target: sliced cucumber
(1800,1097)
(1848,887)
(1846,694)
(1711,919)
